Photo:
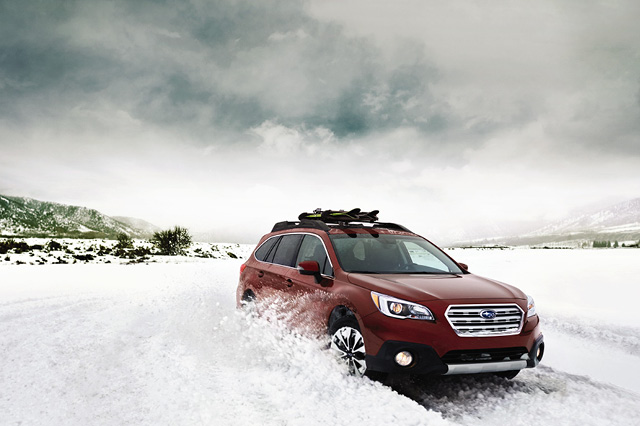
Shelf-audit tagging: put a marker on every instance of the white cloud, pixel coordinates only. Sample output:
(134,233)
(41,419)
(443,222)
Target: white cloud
(278,141)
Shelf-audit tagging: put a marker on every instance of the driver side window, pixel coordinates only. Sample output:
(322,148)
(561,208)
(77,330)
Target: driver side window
(313,249)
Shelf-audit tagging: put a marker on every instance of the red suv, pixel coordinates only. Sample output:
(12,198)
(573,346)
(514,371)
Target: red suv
(391,300)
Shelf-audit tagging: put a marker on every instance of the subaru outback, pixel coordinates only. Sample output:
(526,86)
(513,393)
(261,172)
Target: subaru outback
(392,301)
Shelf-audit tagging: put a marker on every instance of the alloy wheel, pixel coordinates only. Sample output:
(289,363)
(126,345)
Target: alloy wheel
(348,344)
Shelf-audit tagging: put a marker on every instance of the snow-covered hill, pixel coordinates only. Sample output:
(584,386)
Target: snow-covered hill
(139,224)
(163,344)
(619,222)
(619,218)
(27,217)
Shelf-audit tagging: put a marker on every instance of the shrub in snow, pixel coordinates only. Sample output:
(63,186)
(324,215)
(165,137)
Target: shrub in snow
(54,245)
(124,241)
(84,257)
(5,246)
(17,246)
(104,250)
(172,242)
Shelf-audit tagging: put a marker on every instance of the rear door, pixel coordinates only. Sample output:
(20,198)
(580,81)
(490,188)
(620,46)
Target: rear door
(258,274)
(278,265)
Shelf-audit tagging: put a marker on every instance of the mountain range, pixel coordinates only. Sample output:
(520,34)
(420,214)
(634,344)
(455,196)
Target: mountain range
(619,222)
(26,217)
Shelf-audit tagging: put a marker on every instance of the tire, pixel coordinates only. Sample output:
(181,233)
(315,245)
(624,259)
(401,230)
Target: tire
(348,344)
(507,374)
(248,301)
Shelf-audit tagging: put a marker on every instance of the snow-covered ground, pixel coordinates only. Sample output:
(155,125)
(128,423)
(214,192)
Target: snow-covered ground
(163,344)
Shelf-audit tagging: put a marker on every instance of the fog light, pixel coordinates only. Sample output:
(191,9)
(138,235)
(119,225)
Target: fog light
(404,358)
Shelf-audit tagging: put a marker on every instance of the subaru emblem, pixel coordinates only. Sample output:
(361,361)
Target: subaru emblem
(488,314)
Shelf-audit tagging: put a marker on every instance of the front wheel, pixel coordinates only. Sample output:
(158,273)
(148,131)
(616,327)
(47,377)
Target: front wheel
(348,344)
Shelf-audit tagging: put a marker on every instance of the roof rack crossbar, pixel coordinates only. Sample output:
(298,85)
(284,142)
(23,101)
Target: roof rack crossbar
(316,224)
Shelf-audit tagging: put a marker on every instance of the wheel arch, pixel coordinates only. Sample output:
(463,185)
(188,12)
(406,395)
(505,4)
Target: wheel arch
(248,295)
(338,312)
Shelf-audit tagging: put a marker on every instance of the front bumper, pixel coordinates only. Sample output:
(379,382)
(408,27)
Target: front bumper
(427,361)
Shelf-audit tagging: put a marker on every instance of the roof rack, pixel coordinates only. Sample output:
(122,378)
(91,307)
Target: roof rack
(326,220)
(318,224)
(390,225)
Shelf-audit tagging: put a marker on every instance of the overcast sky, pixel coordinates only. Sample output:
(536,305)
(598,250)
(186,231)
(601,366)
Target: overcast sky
(454,118)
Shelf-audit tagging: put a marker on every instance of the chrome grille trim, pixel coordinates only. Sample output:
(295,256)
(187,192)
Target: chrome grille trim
(467,322)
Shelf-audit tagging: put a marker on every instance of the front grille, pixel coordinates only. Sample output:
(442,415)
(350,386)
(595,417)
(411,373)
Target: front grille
(484,355)
(498,320)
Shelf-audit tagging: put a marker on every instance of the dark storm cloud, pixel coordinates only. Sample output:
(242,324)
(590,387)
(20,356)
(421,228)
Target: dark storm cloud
(36,61)
(206,66)
(204,69)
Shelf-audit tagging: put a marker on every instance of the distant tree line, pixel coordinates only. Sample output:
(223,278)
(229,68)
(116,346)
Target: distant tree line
(604,244)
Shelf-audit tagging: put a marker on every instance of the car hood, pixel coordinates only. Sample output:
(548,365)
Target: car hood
(419,288)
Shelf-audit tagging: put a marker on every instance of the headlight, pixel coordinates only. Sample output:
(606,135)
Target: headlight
(531,307)
(397,308)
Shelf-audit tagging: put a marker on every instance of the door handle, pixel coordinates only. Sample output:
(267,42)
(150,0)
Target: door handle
(260,274)
(289,282)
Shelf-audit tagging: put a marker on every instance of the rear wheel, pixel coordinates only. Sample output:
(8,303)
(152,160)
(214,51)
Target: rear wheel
(248,301)
(348,344)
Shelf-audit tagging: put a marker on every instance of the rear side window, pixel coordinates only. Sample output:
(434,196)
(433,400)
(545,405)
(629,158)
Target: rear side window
(313,249)
(262,252)
(285,252)
(269,257)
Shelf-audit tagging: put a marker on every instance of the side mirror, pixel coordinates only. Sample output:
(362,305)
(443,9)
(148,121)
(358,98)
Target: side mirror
(463,266)
(310,267)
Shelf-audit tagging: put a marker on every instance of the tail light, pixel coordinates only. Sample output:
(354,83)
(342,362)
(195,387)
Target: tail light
(244,265)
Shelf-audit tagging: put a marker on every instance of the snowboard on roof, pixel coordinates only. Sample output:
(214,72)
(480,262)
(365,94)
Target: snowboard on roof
(324,215)
(354,215)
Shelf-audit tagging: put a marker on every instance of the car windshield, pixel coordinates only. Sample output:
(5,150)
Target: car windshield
(373,253)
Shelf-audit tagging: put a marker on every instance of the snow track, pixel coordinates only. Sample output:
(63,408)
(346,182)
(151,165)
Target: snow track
(542,396)
(163,344)
(623,338)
